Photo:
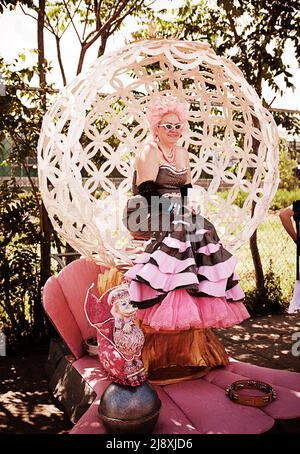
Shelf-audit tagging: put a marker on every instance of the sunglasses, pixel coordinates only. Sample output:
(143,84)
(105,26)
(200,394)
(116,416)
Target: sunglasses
(170,126)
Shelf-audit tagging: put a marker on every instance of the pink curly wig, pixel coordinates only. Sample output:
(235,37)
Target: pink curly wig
(160,106)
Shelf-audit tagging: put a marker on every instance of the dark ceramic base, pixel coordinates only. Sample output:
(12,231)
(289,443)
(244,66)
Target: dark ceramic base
(127,410)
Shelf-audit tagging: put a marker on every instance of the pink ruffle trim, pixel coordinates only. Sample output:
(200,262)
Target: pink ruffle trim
(217,276)
(179,310)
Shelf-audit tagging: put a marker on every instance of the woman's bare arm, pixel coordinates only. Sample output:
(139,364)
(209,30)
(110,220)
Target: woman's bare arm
(286,216)
(188,166)
(147,164)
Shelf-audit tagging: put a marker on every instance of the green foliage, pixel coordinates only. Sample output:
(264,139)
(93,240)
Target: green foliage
(21,114)
(93,22)
(21,111)
(19,260)
(284,198)
(288,190)
(288,178)
(290,121)
(270,299)
(240,198)
(11,4)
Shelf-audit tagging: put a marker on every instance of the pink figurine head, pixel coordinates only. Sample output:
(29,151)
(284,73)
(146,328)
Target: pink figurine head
(119,299)
(160,106)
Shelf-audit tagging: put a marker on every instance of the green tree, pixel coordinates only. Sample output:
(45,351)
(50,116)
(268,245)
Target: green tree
(21,113)
(93,22)
(19,262)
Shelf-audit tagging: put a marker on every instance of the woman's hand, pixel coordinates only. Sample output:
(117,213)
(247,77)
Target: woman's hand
(190,211)
(194,208)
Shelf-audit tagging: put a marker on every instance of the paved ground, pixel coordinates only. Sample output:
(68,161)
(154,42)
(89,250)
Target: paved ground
(269,341)
(26,406)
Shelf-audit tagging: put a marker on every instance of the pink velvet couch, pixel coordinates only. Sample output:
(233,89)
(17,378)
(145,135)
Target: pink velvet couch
(192,407)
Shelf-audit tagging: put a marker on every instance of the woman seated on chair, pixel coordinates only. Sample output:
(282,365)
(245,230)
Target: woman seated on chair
(184,283)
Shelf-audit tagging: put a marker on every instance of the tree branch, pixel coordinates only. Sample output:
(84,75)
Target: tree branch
(97,9)
(60,62)
(105,30)
(27,14)
(41,49)
(237,37)
(70,22)
(96,33)
(270,103)
(85,22)
(7,240)
(50,29)
(71,19)
(34,188)
(119,21)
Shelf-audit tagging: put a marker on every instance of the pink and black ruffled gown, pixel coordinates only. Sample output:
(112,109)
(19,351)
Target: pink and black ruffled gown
(184,284)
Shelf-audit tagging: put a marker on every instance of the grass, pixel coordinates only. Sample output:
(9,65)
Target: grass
(276,247)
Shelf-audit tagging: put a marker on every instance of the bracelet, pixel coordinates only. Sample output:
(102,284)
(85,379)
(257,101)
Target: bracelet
(255,401)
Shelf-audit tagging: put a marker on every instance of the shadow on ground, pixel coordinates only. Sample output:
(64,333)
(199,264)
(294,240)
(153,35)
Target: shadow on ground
(269,341)
(26,405)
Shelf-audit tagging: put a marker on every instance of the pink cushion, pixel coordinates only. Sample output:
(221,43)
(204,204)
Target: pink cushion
(92,372)
(285,378)
(171,419)
(287,404)
(200,406)
(75,279)
(90,422)
(211,412)
(61,316)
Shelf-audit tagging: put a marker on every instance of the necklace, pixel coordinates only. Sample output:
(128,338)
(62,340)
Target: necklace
(169,157)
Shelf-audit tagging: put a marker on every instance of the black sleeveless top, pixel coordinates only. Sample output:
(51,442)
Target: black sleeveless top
(168,180)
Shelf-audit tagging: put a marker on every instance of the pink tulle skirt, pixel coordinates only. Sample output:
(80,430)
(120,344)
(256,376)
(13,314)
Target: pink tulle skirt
(179,310)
